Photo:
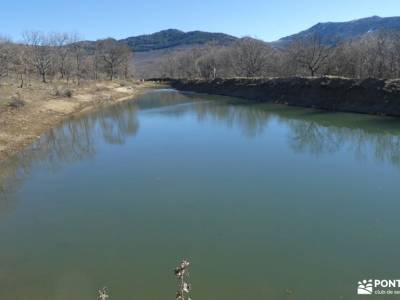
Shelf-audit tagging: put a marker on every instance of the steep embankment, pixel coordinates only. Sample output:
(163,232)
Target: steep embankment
(372,96)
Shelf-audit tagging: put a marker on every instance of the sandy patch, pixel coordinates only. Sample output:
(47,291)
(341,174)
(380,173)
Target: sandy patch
(43,110)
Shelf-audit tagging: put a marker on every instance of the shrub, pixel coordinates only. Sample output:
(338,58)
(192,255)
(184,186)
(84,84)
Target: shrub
(103,294)
(68,93)
(182,273)
(16,102)
(63,92)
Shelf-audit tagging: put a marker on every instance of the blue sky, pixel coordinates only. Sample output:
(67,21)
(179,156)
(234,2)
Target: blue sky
(264,19)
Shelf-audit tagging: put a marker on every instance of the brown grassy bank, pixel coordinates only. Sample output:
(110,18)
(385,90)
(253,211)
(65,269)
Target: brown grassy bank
(28,112)
(371,96)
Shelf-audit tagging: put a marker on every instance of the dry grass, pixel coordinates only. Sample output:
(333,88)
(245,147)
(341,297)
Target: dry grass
(25,113)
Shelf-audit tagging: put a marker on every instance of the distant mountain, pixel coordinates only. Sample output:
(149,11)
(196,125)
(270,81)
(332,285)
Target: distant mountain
(175,38)
(339,31)
(151,48)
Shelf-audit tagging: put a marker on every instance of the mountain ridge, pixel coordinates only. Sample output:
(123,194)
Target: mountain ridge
(170,38)
(332,32)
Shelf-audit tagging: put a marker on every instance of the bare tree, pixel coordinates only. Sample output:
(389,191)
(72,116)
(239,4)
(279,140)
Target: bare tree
(63,55)
(40,52)
(5,55)
(61,51)
(77,52)
(20,63)
(381,53)
(96,58)
(208,65)
(186,63)
(114,55)
(375,52)
(167,66)
(374,55)
(310,53)
(126,64)
(395,38)
(344,60)
(250,57)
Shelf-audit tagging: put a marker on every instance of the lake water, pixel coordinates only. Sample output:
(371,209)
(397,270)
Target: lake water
(266,201)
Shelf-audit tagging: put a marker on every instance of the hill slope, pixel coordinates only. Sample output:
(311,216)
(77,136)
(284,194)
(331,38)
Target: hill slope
(334,31)
(174,38)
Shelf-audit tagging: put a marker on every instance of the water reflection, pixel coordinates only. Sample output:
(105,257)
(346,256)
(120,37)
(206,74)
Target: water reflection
(232,112)
(75,140)
(307,131)
(311,137)
(125,199)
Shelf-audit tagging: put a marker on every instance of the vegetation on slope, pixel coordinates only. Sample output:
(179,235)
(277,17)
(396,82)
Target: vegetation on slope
(173,38)
(336,32)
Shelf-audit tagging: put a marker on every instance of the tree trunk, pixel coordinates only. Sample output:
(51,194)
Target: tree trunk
(112,73)
(22,81)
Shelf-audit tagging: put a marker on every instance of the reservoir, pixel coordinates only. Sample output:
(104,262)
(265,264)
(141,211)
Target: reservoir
(266,202)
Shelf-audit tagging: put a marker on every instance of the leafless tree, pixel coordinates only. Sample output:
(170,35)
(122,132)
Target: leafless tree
(207,64)
(40,52)
(310,53)
(77,52)
(375,54)
(114,55)
(96,59)
(126,65)
(61,51)
(62,56)
(5,55)
(250,57)
(20,63)
(167,66)
(186,63)
(395,55)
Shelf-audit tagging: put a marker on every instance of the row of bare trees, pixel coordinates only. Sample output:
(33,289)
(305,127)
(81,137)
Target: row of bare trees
(373,55)
(246,58)
(63,56)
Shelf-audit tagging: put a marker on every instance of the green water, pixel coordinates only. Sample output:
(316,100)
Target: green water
(266,201)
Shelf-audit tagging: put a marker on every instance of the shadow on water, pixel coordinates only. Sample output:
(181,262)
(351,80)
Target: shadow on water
(308,131)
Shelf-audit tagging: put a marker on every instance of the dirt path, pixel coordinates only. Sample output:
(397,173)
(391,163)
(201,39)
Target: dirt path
(43,109)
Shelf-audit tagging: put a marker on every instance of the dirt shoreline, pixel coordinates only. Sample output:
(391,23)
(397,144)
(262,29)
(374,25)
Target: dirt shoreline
(369,96)
(20,126)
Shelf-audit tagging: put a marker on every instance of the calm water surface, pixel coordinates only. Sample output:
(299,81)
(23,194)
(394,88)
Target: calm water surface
(266,201)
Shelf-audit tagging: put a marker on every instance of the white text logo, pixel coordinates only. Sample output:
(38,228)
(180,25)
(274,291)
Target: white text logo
(378,287)
(365,287)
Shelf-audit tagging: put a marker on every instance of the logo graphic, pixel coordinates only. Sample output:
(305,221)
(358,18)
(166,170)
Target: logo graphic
(365,287)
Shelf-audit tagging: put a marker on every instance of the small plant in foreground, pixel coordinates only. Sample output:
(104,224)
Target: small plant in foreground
(103,295)
(182,273)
